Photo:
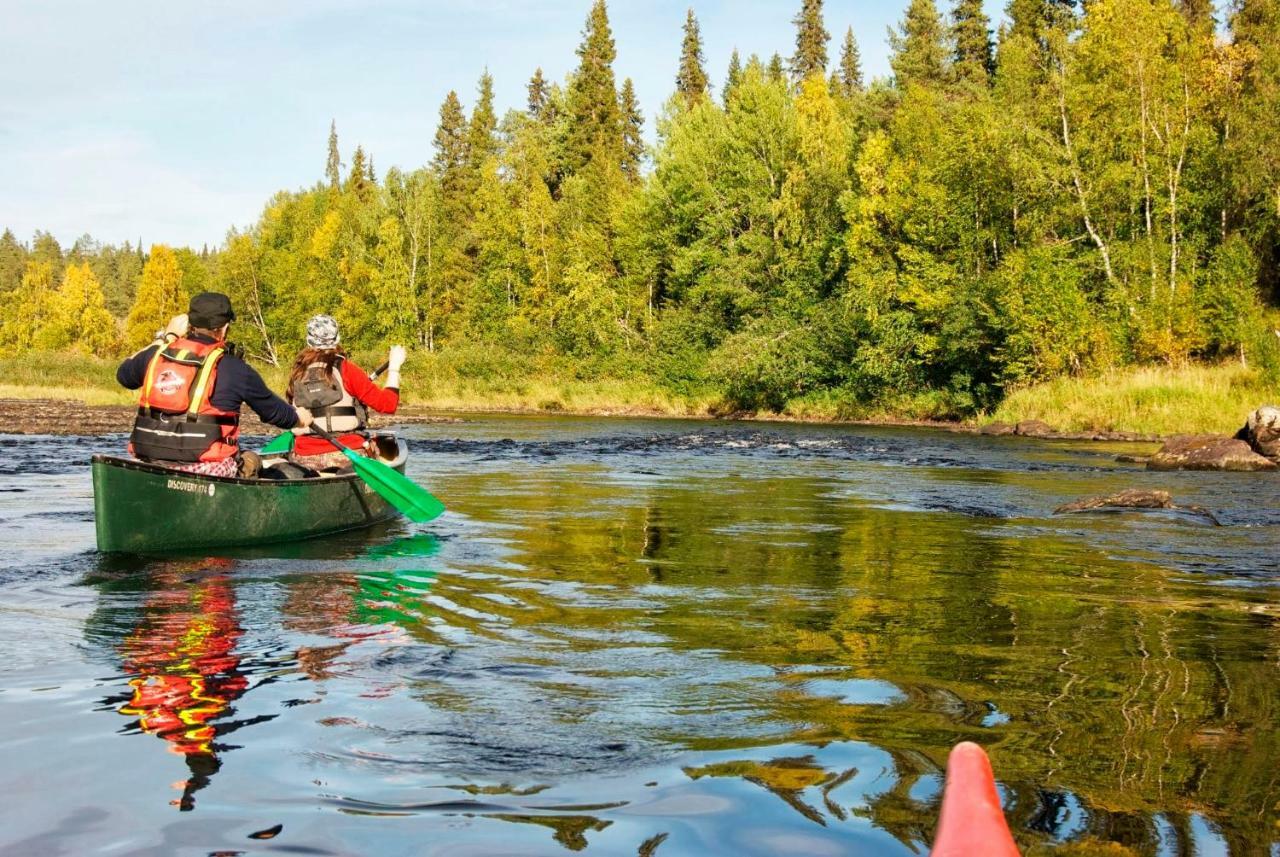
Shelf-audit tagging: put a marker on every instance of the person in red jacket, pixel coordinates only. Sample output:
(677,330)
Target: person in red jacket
(337,394)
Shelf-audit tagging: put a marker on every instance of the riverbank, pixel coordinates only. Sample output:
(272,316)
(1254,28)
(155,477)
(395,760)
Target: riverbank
(1133,404)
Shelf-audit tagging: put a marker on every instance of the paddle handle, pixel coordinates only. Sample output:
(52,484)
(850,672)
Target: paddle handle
(376,372)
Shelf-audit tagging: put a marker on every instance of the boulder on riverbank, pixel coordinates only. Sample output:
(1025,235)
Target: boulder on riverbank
(1208,452)
(1133,498)
(1262,432)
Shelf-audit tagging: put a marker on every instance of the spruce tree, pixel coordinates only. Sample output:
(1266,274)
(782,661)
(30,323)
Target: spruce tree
(45,248)
(13,258)
(537,94)
(850,72)
(450,160)
(333,165)
(972,62)
(776,71)
(481,142)
(691,81)
(358,180)
(632,132)
(595,128)
(811,42)
(733,77)
(919,56)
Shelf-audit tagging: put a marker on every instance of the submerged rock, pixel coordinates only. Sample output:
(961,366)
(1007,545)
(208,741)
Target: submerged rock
(1133,498)
(1208,452)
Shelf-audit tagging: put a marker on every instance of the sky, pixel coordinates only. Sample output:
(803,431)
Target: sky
(171,122)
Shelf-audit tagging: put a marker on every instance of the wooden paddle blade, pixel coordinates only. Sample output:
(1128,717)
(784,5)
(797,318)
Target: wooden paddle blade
(413,501)
(282,442)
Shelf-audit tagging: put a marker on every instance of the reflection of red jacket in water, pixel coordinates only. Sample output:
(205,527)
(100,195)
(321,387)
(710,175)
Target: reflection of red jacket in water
(186,671)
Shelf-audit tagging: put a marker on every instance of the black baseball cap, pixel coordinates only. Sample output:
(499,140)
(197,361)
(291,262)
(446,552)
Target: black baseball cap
(210,310)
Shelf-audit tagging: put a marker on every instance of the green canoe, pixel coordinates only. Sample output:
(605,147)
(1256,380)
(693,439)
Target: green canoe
(142,508)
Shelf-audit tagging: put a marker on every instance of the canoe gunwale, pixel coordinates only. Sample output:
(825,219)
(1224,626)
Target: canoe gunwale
(160,470)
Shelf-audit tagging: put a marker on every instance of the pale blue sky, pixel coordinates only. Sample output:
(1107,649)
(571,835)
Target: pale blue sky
(172,121)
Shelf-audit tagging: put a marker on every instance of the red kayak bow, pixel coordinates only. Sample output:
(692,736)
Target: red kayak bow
(972,821)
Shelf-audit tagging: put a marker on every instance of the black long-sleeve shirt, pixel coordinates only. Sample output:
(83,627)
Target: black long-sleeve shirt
(237,383)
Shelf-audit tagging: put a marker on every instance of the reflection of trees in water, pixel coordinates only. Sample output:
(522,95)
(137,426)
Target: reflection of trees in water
(186,672)
(1117,700)
(569,830)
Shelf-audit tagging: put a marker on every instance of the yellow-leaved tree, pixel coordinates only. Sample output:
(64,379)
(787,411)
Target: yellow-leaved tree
(26,309)
(160,297)
(78,318)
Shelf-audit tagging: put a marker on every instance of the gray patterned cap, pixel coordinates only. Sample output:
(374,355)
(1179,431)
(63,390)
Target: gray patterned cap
(322,332)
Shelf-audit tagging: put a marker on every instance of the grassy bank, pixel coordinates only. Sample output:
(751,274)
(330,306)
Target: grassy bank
(1153,400)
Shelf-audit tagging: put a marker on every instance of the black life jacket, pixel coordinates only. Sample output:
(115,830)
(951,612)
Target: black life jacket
(320,391)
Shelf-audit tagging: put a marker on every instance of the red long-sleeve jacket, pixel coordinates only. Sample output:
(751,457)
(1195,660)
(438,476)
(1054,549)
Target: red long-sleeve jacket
(360,386)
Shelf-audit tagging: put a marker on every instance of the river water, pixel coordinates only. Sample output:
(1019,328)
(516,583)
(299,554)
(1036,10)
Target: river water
(654,638)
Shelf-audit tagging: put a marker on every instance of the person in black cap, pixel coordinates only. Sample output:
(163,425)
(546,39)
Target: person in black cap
(192,387)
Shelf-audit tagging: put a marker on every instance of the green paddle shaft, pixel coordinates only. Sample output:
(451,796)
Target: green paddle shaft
(413,501)
(283,442)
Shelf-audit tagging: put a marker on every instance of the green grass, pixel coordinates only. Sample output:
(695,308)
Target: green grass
(479,379)
(62,376)
(1152,400)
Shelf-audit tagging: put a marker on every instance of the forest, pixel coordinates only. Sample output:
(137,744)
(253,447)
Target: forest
(1084,188)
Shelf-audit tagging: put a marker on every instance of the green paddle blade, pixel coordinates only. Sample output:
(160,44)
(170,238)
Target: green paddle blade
(414,502)
(280,443)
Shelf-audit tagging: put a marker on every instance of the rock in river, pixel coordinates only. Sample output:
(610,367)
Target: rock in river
(1208,452)
(1133,498)
(1262,431)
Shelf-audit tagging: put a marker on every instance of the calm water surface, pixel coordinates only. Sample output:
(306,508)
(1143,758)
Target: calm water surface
(653,638)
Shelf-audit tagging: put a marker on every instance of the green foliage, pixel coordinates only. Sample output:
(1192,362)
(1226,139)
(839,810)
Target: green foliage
(732,77)
(538,94)
(78,320)
(811,41)
(972,60)
(1104,195)
(849,76)
(595,122)
(1036,305)
(632,131)
(332,164)
(27,309)
(691,80)
(919,56)
(13,259)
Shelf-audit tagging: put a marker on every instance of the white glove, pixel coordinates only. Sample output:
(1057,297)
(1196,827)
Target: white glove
(394,361)
(304,418)
(177,326)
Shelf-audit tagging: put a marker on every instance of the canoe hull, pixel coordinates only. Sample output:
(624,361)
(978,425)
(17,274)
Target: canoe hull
(142,508)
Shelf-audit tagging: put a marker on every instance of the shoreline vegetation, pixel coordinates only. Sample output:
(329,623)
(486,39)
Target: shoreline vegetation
(1150,401)
(1072,222)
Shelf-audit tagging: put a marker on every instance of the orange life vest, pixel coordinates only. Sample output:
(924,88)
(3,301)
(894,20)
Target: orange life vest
(176,421)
